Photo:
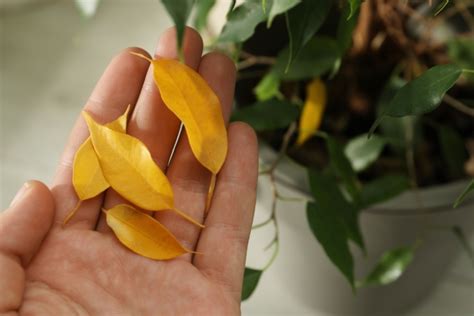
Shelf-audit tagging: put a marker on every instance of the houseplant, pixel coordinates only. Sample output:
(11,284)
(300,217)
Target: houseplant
(317,78)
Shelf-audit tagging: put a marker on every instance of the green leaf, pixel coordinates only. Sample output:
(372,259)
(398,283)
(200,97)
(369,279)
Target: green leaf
(453,150)
(331,201)
(242,21)
(331,235)
(251,278)
(383,189)
(461,52)
(342,168)
(279,7)
(423,94)
(390,267)
(362,151)
(231,7)
(268,87)
(346,27)
(203,7)
(461,237)
(88,8)
(464,194)
(268,115)
(303,21)
(315,59)
(353,7)
(179,11)
(392,128)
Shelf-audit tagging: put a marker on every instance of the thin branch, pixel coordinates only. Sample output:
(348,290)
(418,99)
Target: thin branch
(275,194)
(458,105)
(410,160)
(251,60)
(284,147)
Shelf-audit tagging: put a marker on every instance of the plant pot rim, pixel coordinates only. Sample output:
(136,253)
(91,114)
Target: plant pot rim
(433,199)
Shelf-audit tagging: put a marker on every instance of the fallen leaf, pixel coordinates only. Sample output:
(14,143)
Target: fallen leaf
(143,234)
(191,99)
(313,110)
(130,170)
(87,177)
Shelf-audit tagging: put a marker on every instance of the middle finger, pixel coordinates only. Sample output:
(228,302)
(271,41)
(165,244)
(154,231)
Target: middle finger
(152,122)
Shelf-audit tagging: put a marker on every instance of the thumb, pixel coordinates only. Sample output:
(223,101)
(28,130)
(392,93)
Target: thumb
(26,222)
(23,226)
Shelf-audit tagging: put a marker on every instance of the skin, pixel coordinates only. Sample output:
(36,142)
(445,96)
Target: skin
(81,269)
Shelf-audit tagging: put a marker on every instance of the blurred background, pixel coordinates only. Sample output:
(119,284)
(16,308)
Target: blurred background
(51,58)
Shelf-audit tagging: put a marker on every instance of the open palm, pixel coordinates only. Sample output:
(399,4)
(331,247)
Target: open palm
(81,269)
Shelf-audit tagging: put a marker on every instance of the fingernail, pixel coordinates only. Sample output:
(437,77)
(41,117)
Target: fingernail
(20,193)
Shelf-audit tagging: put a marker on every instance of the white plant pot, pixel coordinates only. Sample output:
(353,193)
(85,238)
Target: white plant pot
(310,279)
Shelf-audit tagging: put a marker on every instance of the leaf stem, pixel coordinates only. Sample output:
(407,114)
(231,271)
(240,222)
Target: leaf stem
(441,7)
(264,223)
(142,56)
(72,213)
(410,158)
(210,193)
(292,199)
(251,60)
(458,105)
(290,44)
(469,71)
(276,242)
(188,218)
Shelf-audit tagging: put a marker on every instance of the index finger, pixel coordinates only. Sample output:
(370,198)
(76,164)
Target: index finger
(118,87)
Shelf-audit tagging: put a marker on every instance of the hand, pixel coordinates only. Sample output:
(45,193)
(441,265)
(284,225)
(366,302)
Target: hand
(81,269)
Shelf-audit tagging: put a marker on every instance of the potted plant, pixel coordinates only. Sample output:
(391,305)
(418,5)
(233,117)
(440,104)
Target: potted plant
(366,120)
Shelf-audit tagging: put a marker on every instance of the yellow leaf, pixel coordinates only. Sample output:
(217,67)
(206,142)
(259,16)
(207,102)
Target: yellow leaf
(143,234)
(313,110)
(191,99)
(87,177)
(130,170)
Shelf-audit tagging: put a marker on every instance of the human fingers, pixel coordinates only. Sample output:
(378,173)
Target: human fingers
(152,122)
(23,227)
(118,87)
(189,179)
(222,246)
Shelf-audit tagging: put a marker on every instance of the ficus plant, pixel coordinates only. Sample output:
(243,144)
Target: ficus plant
(309,100)
(371,97)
